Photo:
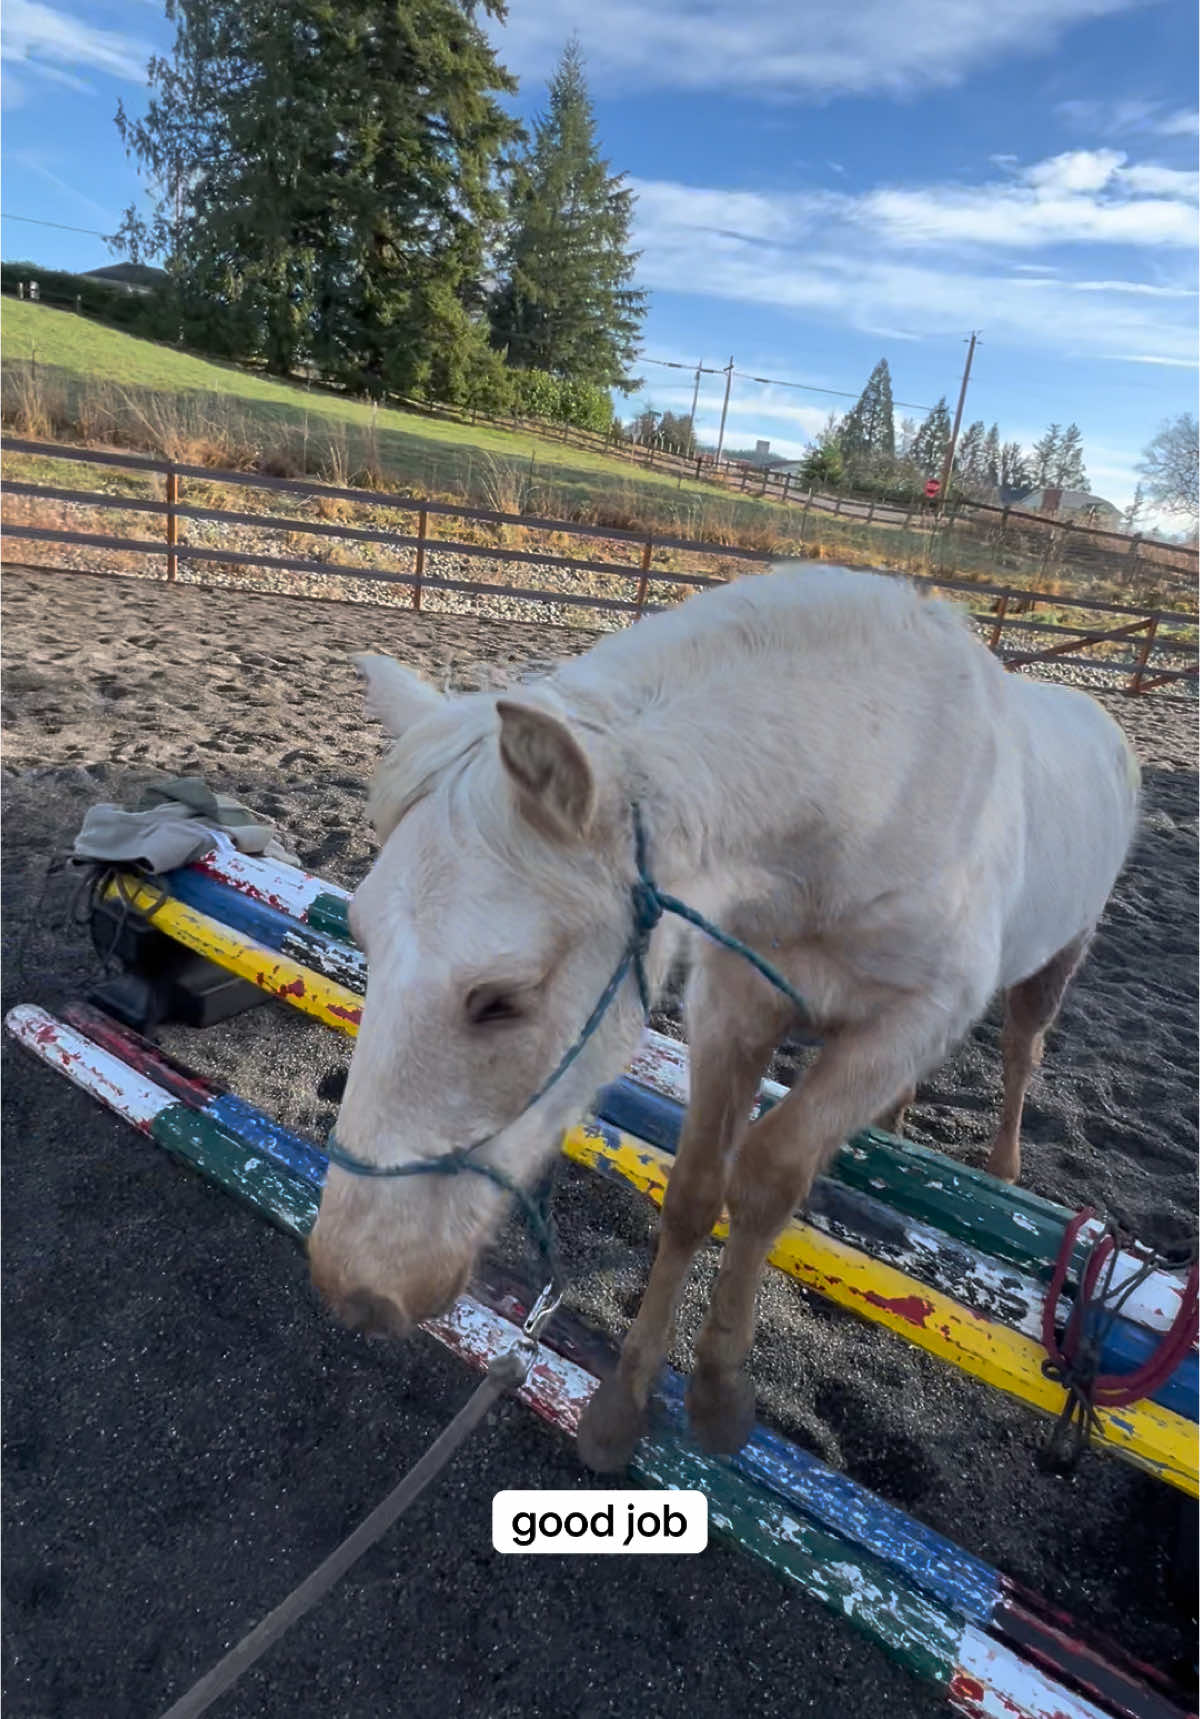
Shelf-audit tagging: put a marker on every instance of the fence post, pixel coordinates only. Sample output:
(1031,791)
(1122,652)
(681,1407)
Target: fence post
(1135,684)
(172,491)
(787,487)
(837,506)
(422,521)
(871,511)
(1001,611)
(644,581)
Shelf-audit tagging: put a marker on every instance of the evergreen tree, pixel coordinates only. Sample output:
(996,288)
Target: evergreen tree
(991,457)
(868,430)
(565,303)
(326,181)
(969,459)
(1046,456)
(1134,511)
(1069,472)
(932,440)
(1015,475)
(676,432)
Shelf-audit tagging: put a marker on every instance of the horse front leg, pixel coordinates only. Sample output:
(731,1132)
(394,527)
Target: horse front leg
(855,1075)
(724,1083)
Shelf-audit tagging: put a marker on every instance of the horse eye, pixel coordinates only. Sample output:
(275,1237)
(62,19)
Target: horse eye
(487,1004)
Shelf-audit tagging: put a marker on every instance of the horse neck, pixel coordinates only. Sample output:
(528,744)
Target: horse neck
(667,749)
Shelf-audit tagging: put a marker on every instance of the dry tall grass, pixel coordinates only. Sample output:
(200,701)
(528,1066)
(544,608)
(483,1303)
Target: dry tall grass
(209,430)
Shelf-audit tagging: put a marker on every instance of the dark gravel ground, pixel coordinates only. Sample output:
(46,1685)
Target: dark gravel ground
(186,1434)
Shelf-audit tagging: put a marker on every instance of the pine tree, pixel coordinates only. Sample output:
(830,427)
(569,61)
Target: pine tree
(932,440)
(1069,471)
(969,459)
(566,303)
(991,457)
(868,431)
(1046,455)
(326,181)
(1015,475)
(676,432)
(1134,511)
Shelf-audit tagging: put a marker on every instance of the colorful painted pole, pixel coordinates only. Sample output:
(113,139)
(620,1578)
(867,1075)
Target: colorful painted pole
(978,1673)
(957,1200)
(977,1590)
(254,1177)
(1147,1435)
(866,1226)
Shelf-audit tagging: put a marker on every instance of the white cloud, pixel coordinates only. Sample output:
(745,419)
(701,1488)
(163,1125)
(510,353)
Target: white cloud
(1184,123)
(921,262)
(56,75)
(34,163)
(1130,117)
(830,48)
(43,37)
(1082,196)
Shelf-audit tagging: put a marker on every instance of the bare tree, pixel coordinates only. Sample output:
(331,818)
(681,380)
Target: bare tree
(1169,466)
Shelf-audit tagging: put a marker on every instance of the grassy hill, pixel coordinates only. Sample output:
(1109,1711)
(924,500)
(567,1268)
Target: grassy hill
(65,375)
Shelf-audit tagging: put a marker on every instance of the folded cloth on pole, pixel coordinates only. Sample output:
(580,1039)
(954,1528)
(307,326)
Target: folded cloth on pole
(176,821)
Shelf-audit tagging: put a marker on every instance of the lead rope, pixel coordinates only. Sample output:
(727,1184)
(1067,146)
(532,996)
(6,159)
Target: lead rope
(507,1372)
(1074,1360)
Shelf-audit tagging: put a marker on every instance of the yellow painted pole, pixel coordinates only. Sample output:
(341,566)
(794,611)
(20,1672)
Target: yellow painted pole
(1153,1438)
(278,974)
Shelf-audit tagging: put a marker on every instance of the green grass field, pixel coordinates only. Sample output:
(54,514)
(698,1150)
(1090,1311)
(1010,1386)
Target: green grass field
(85,370)
(67,378)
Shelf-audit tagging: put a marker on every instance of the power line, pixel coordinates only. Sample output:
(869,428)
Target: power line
(33,221)
(773,381)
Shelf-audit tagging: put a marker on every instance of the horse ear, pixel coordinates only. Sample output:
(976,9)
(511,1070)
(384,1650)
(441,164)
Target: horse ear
(395,696)
(549,766)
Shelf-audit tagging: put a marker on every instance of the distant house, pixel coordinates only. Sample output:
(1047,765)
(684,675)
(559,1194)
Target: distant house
(134,277)
(1073,504)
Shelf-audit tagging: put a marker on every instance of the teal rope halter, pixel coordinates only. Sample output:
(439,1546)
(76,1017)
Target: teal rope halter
(649,905)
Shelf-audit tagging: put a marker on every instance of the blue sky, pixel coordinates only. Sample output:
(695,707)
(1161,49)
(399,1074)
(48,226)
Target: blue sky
(818,187)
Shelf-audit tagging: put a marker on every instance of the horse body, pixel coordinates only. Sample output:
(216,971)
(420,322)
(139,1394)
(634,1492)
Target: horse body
(830,767)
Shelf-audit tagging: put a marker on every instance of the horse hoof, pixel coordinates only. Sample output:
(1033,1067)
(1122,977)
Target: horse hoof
(609,1428)
(720,1410)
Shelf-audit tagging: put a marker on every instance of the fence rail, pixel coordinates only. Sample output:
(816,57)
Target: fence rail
(765,482)
(1166,639)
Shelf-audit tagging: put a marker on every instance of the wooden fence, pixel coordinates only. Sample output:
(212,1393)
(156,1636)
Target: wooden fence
(1163,641)
(1049,537)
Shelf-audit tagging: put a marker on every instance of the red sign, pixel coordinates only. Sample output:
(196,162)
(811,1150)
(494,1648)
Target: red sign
(932,488)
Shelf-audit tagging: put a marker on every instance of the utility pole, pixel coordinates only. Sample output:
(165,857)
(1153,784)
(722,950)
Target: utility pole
(725,406)
(696,397)
(948,462)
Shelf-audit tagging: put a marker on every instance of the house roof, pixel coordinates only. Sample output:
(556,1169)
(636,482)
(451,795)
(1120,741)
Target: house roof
(128,274)
(1070,500)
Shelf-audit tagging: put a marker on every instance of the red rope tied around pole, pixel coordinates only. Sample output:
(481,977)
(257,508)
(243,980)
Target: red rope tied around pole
(1073,1362)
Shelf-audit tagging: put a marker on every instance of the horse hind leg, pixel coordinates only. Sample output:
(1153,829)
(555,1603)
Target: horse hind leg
(1030,1008)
